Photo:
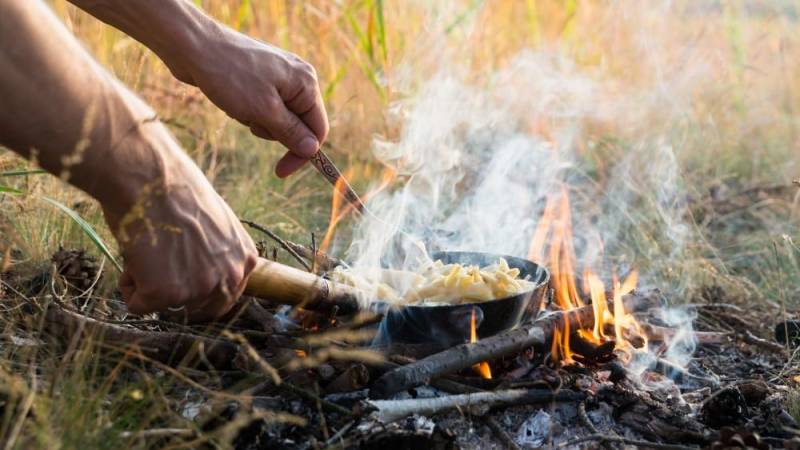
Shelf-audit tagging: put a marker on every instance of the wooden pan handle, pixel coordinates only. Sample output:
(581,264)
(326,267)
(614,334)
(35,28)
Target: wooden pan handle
(283,284)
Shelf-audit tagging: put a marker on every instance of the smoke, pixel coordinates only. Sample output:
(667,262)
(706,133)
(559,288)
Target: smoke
(476,172)
(478,155)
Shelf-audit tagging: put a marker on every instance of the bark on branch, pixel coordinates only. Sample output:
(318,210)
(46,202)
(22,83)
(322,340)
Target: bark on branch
(390,410)
(166,347)
(507,343)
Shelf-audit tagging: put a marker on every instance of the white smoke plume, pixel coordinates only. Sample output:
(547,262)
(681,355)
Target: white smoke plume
(479,155)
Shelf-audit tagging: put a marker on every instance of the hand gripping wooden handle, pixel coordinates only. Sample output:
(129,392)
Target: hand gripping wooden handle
(283,284)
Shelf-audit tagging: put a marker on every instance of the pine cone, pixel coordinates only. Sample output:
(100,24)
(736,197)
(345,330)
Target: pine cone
(78,269)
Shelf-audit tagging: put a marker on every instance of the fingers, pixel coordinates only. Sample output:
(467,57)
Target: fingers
(308,105)
(208,302)
(299,122)
(288,129)
(288,165)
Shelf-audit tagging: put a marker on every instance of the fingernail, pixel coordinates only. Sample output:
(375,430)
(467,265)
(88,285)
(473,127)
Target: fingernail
(308,147)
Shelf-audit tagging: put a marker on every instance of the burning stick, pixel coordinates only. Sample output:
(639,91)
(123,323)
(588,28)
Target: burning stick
(391,410)
(466,355)
(507,343)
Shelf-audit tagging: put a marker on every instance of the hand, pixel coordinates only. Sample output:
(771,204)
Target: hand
(182,244)
(272,91)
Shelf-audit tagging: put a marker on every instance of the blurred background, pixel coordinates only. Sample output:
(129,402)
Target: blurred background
(716,82)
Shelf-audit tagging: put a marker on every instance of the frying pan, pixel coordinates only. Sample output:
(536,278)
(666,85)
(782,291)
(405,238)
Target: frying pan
(449,324)
(444,324)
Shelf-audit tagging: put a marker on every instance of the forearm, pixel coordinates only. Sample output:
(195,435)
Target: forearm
(65,111)
(175,30)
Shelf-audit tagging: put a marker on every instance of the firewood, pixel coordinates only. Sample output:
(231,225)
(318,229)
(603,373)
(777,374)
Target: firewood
(465,355)
(507,343)
(390,410)
(353,378)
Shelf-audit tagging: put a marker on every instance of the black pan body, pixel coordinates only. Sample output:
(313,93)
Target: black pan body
(450,324)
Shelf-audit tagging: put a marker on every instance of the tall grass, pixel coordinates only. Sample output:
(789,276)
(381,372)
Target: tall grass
(369,53)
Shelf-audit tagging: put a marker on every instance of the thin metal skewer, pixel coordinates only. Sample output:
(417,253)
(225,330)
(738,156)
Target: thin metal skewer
(325,166)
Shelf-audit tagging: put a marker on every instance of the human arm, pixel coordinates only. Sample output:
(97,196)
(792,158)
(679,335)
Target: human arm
(271,91)
(182,245)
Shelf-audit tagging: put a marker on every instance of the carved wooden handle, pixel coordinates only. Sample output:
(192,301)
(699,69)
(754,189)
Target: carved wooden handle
(283,284)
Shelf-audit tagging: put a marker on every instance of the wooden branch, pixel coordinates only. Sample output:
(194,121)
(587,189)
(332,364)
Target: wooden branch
(501,433)
(324,262)
(390,410)
(465,355)
(621,440)
(279,240)
(165,347)
(507,343)
(300,252)
(752,339)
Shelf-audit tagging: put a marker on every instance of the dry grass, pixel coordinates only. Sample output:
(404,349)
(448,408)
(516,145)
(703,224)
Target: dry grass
(736,126)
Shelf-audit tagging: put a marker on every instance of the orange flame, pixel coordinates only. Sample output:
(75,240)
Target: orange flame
(556,222)
(482,368)
(340,209)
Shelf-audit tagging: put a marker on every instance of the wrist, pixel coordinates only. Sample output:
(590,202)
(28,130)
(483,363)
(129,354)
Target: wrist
(185,46)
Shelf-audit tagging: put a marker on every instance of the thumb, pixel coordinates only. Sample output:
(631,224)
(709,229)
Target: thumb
(290,131)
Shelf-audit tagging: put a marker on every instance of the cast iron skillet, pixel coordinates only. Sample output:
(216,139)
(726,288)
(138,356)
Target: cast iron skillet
(449,324)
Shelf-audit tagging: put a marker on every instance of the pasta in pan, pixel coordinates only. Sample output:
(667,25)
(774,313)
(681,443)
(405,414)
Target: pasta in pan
(435,282)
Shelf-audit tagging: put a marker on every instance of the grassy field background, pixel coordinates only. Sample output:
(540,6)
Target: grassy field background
(725,79)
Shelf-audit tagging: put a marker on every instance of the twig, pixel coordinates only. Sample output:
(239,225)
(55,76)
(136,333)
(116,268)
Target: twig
(390,410)
(752,339)
(443,384)
(310,396)
(253,356)
(621,440)
(323,423)
(324,261)
(313,253)
(338,435)
(158,345)
(280,241)
(158,432)
(585,418)
(501,433)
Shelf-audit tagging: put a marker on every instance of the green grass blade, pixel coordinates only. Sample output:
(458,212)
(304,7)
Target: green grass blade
(86,229)
(20,173)
(9,190)
(381,30)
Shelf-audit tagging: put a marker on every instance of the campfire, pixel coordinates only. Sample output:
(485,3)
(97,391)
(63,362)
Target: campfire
(527,224)
(578,346)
